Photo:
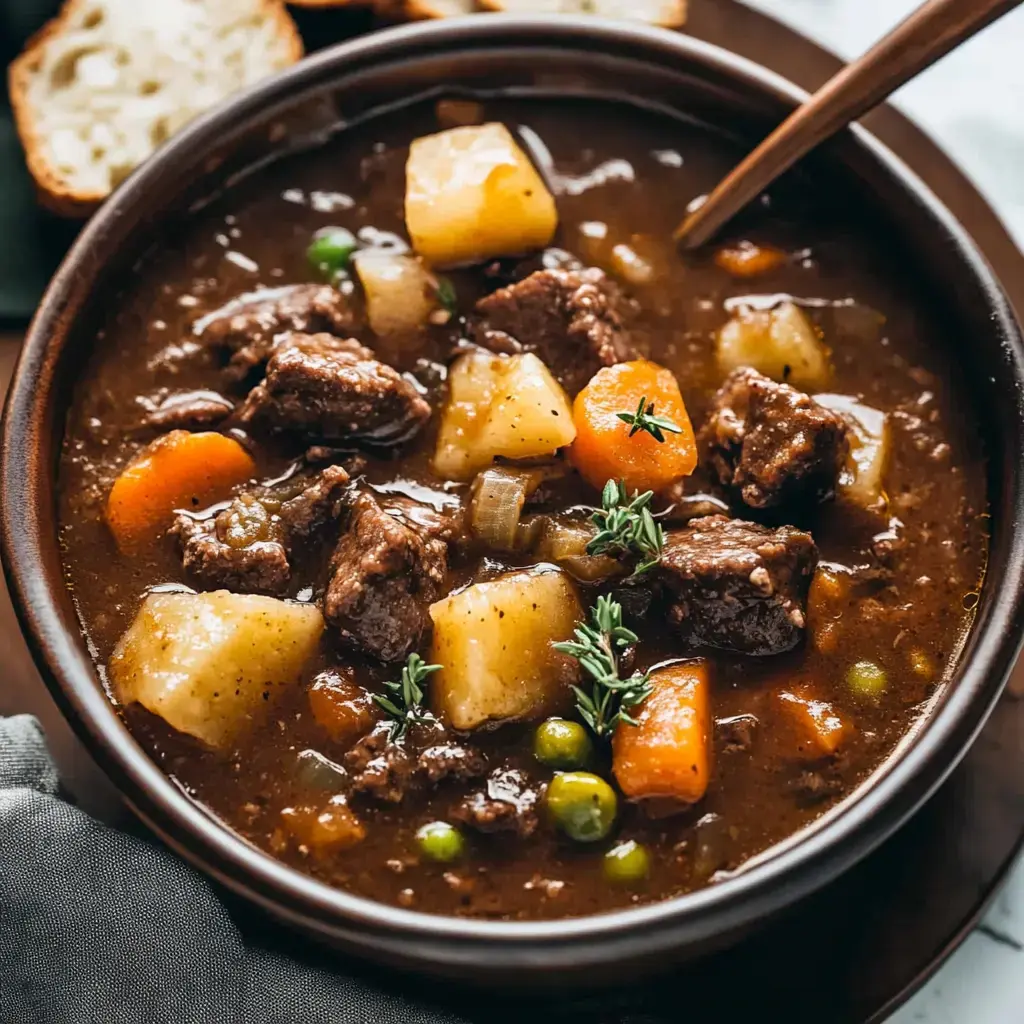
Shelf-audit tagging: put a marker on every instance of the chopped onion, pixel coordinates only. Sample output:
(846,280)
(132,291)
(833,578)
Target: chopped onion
(564,542)
(401,294)
(499,495)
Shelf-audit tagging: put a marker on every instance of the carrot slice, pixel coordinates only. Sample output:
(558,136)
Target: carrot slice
(819,727)
(604,450)
(177,470)
(667,754)
(748,260)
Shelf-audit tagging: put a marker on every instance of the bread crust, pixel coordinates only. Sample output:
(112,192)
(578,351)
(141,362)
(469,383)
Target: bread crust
(674,18)
(421,10)
(54,192)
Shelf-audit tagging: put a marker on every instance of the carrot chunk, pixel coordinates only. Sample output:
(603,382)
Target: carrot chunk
(177,470)
(746,259)
(819,727)
(322,831)
(341,707)
(667,754)
(607,448)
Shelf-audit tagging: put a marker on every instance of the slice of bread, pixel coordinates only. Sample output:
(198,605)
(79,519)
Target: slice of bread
(107,81)
(439,8)
(669,13)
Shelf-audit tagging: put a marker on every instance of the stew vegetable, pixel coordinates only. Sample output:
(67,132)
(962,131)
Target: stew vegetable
(453,538)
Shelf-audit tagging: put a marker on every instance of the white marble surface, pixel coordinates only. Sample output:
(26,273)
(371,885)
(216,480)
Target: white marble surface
(973,103)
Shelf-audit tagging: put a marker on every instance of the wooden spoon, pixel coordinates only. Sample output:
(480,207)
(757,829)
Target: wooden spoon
(934,29)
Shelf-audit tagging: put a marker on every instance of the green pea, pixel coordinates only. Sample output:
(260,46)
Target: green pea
(867,680)
(627,863)
(582,805)
(561,744)
(330,251)
(441,842)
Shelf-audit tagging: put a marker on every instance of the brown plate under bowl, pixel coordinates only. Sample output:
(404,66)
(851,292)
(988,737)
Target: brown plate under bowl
(538,56)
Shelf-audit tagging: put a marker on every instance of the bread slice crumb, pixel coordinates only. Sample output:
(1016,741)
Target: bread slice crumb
(668,13)
(100,87)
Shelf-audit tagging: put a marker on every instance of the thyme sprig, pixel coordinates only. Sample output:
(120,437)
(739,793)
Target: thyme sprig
(644,419)
(597,647)
(404,700)
(625,527)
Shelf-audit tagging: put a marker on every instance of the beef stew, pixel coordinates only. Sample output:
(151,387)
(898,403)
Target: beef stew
(327,510)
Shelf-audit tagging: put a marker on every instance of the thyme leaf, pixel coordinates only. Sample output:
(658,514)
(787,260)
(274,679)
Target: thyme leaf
(626,528)
(403,702)
(644,419)
(597,647)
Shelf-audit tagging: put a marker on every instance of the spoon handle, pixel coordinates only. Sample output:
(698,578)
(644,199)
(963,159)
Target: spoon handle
(928,34)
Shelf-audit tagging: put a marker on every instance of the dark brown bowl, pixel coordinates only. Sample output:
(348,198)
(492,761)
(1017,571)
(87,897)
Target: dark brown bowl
(545,55)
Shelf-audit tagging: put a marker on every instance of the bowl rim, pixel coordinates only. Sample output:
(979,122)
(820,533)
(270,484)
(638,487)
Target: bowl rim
(794,867)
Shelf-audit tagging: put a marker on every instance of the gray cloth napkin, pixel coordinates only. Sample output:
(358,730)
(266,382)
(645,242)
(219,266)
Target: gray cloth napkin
(101,927)
(98,926)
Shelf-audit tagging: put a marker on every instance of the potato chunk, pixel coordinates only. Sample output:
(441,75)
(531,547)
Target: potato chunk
(471,193)
(494,642)
(211,665)
(400,292)
(862,479)
(508,406)
(780,343)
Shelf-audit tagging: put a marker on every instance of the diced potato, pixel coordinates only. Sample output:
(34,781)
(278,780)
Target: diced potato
(401,294)
(471,194)
(666,755)
(863,478)
(211,665)
(780,343)
(494,642)
(819,728)
(508,406)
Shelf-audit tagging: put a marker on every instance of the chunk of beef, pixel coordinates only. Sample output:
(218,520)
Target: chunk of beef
(814,787)
(318,503)
(736,733)
(384,574)
(334,390)
(451,761)
(771,443)
(572,319)
(508,804)
(185,410)
(245,547)
(219,555)
(737,585)
(381,769)
(250,326)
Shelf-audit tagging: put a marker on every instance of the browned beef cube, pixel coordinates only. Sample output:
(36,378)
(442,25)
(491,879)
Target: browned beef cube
(319,502)
(771,443)
(245,547)
(572,319)
(385,572)
(251,566)
(334,390)
(508,804)
(250,326)
(185,410)
(451,761)
(381,769)
(738,586)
